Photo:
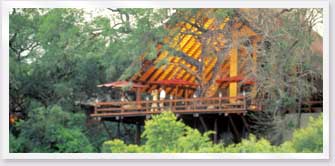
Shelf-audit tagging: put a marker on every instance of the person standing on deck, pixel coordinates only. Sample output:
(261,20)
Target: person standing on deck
(154,105)
(162,95)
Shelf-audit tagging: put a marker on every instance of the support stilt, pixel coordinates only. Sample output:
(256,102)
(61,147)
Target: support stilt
(237,134)
(203,123)
(118,133)
(195,123)
(110,136)
(138,134)
(216,131)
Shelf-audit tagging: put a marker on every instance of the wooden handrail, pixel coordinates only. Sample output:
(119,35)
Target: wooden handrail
(167,100)
(185,106)
(180,106)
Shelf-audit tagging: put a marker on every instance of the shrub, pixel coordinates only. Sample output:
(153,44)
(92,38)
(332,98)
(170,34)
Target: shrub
(164,133)
(309,139)
(50,130)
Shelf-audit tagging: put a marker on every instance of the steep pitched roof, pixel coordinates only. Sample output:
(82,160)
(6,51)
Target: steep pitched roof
(192,47)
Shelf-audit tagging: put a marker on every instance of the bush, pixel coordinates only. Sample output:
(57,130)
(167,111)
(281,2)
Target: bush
(251,145)
(15,144)
(309,139)
(118,146)
(51,130)
(164,133)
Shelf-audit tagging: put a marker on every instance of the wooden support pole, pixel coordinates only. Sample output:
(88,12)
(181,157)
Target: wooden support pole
(203,123)
(245,123)
(254,66)
(237,134)
(138,96)
(171,98)
(95,108)
(244,104)
(118,133)
(110,136)
(216,131)
(138,134)
(195,122)
(233,69)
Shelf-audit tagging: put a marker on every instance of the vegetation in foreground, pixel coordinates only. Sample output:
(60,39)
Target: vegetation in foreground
(165,134)
(54,130)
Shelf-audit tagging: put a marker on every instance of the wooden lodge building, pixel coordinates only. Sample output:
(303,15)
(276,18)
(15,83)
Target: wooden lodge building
(229,86)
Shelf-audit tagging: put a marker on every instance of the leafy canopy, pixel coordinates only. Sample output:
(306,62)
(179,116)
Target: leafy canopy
(51,130)
(165,134)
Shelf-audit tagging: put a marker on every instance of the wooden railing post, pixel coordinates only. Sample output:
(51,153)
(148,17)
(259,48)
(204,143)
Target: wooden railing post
(147,104)
(194,101)
(171,98)
(220,96)
(245,103)
(122,106)
(96,106)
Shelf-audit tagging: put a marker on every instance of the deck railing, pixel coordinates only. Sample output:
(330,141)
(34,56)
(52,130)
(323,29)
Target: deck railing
(179,106)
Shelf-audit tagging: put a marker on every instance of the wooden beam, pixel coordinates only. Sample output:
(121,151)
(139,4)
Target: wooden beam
(195,122)
(203,123)
(118,132)
(254,66)
(215,139)
(183,71)
(236,133)
(245,123)
(233,66)
(170,67)
(110,136)
(138,134)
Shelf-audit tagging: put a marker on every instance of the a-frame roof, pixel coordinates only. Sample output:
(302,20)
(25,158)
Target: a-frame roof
(189,45)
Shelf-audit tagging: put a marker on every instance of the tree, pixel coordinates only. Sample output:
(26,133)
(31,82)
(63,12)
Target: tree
(58,58)
(309,139)
(165,134)
(52,57)
(251,145)
(289,70)
(51,130)
(176,137)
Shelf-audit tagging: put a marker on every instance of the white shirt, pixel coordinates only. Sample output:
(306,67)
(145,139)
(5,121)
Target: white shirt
(162,94)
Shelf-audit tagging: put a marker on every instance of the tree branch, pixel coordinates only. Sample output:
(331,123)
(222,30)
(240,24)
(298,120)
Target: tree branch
(185,57)
(187,69)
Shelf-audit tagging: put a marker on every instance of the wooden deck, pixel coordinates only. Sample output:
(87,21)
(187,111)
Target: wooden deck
(214,105)
(218,114)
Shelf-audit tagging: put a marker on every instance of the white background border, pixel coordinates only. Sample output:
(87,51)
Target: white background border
(148,4)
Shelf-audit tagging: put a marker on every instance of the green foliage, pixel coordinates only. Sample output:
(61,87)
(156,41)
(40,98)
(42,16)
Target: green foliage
(51,130)
(165,134)
(15,144)
(162,132)
(289,71)
(251,145)
(52,58)
(194,141)
(162,62)
(72,141)
(118,146)
(309,139)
